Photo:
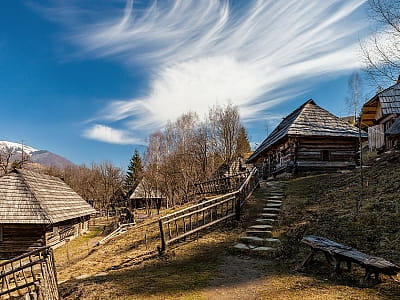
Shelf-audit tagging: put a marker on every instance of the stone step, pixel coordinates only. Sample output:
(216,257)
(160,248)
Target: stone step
(259,241)
(269,250)
(259,250)
(272,205)
(271,210)
(241,246)
(259,233)
(269,216)
(265,221)
(274,201)
(276,197)
(261,227)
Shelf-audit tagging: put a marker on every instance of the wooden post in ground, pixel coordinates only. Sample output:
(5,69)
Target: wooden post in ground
(237,208)
(162,236)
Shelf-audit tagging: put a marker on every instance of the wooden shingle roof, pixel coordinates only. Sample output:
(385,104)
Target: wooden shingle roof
(145,191)
(27,197)
(307,120)
(395,128)
(388,100)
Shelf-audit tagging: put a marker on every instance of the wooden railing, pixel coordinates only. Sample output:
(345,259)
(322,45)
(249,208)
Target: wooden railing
(181,224)
(31,275)
(221,185)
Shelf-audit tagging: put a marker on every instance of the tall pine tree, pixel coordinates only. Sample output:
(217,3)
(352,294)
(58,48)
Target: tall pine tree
(134,173)
(242,143)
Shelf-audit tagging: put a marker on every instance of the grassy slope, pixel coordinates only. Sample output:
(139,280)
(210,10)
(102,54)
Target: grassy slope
(208,269)
(327,203)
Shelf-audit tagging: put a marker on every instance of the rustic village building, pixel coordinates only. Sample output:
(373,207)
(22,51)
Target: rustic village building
(145,196)
(381,115)
(308,139)
(38,210)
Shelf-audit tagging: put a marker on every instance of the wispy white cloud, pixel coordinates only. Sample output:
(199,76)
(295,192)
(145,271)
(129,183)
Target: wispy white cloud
(111,135)
(254,54)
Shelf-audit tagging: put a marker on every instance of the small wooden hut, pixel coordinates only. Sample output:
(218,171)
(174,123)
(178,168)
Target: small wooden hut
(38,210)
(379,115)
(144,196)
(308,139)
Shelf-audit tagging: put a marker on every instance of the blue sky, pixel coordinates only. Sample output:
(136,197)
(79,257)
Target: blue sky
(91,80)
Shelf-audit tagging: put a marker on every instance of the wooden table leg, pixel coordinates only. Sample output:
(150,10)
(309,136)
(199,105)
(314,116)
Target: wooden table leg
(329,258)
(348,266)
(307,260)
(376,275)
(337,265)
(367,274)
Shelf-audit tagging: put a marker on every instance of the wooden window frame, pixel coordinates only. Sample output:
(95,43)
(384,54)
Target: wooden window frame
(325,155)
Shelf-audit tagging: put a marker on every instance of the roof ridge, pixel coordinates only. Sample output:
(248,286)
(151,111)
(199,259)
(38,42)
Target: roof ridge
(378,94)
(385,90)
(46,214)
(301,109)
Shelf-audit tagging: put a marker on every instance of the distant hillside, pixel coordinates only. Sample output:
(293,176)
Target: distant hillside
(42,157)
(50,159)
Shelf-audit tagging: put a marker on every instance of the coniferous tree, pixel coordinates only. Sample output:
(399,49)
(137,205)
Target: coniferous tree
(242,145)
(134,173)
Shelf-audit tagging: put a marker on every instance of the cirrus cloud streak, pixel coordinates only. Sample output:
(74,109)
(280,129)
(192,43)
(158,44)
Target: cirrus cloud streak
(202,53)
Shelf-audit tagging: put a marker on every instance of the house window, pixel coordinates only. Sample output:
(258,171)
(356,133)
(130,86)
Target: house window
(1,233)
(325,155)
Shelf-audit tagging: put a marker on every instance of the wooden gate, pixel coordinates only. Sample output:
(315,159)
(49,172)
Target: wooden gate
(31,275)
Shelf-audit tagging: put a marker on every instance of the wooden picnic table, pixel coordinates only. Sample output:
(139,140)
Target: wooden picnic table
(336,253)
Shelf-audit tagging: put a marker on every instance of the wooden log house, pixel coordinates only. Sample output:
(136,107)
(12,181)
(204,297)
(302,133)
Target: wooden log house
(308,139)
(145,196)
(38,210)
(380,114)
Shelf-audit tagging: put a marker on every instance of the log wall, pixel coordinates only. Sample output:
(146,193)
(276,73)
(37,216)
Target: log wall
(20,238)
(326,153)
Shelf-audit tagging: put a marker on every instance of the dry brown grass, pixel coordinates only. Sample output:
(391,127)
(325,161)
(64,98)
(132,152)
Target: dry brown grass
(210,269)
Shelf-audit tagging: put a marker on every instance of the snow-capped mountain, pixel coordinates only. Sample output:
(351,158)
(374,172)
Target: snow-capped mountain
(16,147)
(42,157)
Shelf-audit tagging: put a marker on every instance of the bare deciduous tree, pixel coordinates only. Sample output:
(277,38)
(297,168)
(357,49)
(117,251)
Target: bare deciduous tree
(189,150)
(10,158)
(382,52)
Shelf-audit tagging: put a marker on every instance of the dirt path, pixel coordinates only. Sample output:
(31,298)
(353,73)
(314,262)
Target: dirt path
(239,277)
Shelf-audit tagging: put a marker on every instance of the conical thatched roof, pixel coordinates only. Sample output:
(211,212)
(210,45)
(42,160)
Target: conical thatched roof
(307,120)
(27,197)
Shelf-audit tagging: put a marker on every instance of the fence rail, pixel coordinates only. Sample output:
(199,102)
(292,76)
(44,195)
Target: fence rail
(191,220)
(221,185)
(31,275)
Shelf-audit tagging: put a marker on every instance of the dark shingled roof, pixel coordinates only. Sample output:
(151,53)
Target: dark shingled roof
(390,100)
(395,128)
(27,197)
(307,120)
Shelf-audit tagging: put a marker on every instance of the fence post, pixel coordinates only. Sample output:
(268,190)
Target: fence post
(162,235)
(238,200)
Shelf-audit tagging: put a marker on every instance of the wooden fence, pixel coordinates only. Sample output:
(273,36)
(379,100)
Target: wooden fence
(221,185)
(31,275)
(181,224)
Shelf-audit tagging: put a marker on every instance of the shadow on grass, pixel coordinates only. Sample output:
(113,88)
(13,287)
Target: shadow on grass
(178,272)
(187,270)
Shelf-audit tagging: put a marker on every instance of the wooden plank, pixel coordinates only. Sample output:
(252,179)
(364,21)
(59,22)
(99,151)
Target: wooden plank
(341,252)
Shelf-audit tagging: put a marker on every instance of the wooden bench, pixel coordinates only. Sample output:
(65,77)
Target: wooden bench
(336,253)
